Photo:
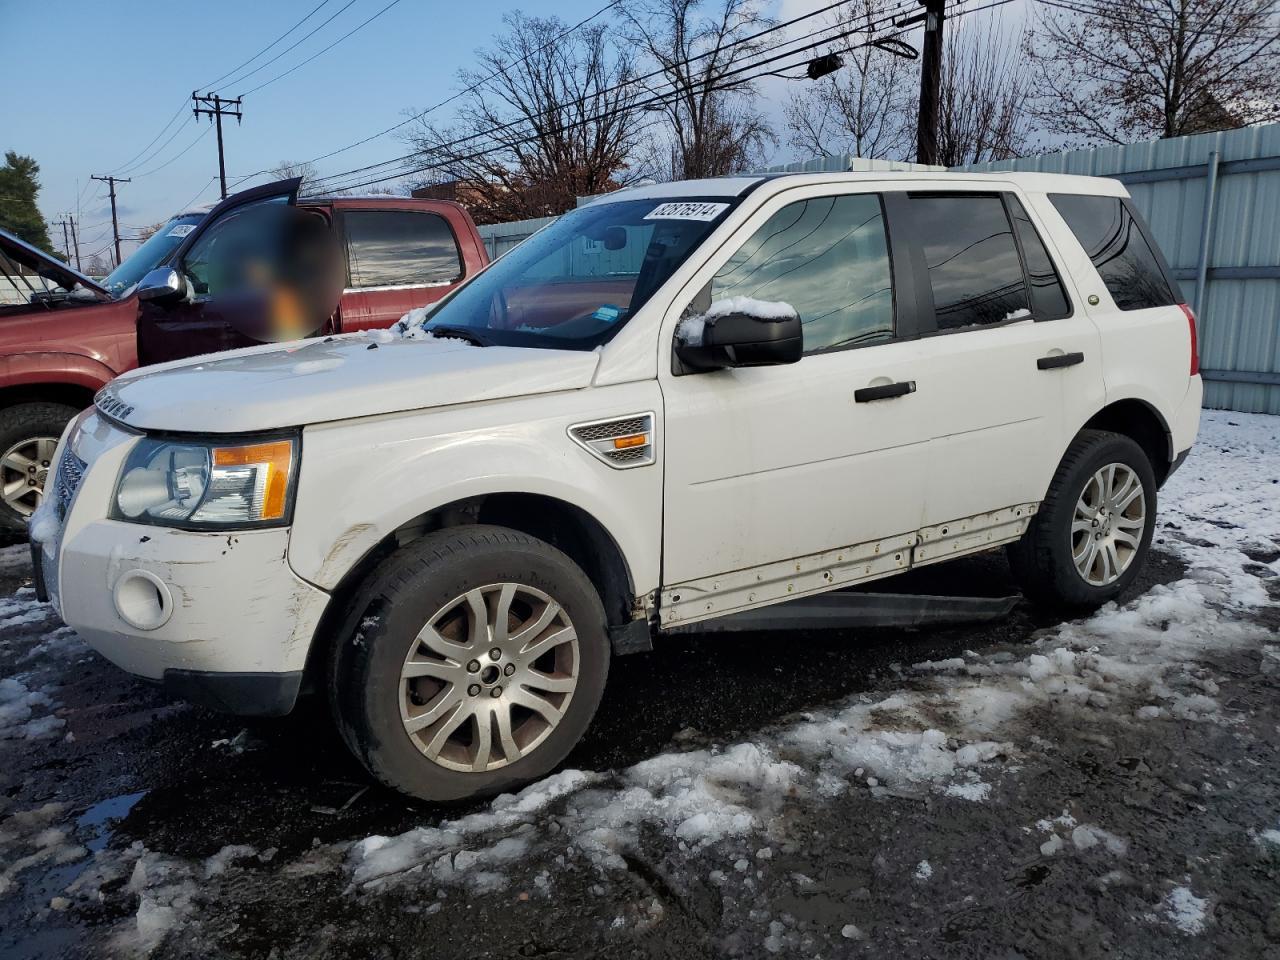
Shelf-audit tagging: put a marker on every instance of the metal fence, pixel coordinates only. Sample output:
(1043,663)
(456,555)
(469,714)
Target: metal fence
(1213,203)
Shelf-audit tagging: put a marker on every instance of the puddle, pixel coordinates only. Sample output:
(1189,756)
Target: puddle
(101,815)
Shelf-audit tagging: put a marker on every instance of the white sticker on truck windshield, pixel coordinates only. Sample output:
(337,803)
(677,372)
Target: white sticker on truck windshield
(181,230)
(685,210)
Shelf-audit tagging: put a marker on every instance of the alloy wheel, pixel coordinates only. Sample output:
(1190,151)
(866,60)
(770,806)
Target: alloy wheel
(24,468)
(489,677)
(1109,521)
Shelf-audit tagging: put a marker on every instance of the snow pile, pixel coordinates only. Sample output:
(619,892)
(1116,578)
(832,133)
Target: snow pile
(43,524)
(412,326)
(1185,910)
(29,838)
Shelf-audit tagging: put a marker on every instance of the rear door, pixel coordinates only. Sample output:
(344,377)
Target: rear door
(1146,337)
(1003,349)
(396,260)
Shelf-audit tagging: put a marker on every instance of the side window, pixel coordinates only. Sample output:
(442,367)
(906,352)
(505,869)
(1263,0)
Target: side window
(1048,298)
(1114,241)
(392,248)
(972,259)
(244,238)
(829,258)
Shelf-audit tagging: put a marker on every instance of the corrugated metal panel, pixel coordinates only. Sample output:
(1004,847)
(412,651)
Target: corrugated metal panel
(1240,318)
(500,237)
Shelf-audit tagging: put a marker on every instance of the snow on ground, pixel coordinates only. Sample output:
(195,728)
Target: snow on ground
(954,731)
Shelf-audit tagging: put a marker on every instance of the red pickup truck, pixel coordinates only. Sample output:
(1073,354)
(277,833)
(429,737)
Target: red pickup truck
(63,335)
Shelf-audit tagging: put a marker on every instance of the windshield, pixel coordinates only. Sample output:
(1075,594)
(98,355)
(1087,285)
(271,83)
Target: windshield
(153,252)
(575,283)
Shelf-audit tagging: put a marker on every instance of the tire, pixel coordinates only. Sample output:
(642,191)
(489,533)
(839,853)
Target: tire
(436,580)
(29,432)
(1049,558)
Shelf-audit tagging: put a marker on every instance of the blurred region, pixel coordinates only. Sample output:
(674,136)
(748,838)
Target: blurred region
(277,270)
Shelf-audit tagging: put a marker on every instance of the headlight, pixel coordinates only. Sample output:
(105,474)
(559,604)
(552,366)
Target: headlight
(191,484)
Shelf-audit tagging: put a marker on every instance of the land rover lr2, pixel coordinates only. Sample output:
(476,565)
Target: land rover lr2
(677,403)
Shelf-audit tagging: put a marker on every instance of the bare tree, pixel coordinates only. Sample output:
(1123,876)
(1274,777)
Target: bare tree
(1138,69)
(983,104)
(711,124)
(555,119)
(863,107)
(294,168)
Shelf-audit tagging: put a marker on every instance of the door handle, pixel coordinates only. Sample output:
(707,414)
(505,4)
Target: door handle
(1056,360)
(885,391)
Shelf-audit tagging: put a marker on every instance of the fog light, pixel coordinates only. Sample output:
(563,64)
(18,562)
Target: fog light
(142,600)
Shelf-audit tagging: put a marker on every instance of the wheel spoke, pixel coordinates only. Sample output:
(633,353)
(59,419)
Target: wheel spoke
(447,729)
(537,648)
(537,680)
(524,697)
(450,699)
(505,737)
(440,669)
(433,640)
(1128,539)
(478,620)
(502,613)
(484,739)
(18,461)
(529,631)
(1082,526)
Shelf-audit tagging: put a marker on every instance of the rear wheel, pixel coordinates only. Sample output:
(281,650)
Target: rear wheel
(476,659)
(29,435)
(1090,537)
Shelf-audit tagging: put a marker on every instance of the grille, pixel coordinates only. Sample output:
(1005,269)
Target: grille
(598,439)
(67,481)
(611,429)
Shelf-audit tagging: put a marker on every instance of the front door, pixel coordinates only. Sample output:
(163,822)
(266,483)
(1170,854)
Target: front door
(258,268)
(796,462)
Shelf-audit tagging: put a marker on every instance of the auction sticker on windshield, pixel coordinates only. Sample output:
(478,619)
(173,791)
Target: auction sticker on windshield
(686,210)
(181,230)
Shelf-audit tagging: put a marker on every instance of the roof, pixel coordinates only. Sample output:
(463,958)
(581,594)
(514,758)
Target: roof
(738,186)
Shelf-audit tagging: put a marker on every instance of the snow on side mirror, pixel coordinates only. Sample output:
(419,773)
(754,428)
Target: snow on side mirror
(739,332)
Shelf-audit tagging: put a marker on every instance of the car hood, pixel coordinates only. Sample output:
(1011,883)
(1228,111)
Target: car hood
(338,378)
(47,266)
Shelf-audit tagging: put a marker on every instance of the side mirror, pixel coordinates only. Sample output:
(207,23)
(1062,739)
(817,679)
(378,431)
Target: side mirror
(162,283)
(740,332)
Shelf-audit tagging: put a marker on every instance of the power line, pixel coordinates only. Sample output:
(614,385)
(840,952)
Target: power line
(320,52)
(115,222)
(216,107)
(888,17)
(724,83)
(157,151)
(314,11)
(263,66)
(203,133)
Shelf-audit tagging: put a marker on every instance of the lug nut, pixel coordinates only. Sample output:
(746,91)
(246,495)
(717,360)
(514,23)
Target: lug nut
(495,692)
(474,690)
(495,654)
(509,669)
(473,666)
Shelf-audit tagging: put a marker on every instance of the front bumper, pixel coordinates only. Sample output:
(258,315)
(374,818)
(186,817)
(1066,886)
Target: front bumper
(218,618)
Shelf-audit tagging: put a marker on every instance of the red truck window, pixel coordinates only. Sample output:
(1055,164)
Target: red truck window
(395,248)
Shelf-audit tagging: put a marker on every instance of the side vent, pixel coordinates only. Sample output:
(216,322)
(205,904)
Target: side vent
(621,442)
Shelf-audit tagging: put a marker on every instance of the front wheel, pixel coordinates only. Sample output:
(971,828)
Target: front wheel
(29,435)
(476,659)
(1088,541)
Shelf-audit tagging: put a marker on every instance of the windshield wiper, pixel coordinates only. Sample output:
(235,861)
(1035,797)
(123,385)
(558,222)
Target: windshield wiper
(459,333)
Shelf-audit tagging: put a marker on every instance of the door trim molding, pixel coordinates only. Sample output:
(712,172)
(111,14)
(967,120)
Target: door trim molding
(781,580)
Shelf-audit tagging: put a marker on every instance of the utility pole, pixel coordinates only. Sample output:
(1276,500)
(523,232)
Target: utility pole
(216,107)
(115,223)
(75,241)
(930,82)
(66,239)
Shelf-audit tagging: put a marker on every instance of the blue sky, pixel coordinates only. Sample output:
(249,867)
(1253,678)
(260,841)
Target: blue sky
(84,99)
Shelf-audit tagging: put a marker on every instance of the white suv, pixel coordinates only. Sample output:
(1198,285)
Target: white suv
(676,403)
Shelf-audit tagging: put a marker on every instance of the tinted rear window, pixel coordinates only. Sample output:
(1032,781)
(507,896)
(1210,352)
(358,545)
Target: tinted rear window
(1114,241)
(387,248)
(974,268)
(1048,298)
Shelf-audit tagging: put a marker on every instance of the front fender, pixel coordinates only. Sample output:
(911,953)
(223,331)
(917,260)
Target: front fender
(72,369)
(362,479)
